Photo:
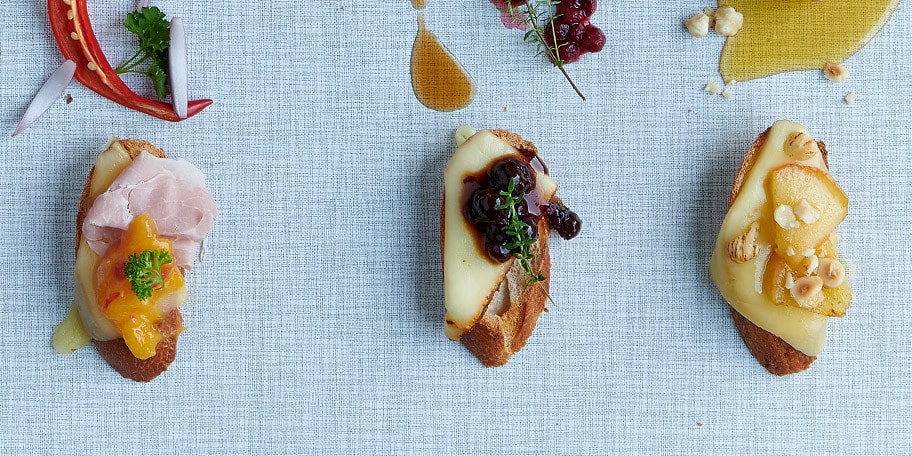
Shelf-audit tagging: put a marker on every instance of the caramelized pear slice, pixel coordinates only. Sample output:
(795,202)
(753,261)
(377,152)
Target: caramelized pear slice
(807,206)
(779,278)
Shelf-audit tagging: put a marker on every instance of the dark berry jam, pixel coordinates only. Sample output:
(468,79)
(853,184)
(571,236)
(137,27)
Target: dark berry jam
(486,201)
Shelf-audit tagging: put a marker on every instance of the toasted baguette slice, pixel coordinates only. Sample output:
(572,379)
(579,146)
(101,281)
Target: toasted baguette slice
(115,352)
(512,310)
(773,353)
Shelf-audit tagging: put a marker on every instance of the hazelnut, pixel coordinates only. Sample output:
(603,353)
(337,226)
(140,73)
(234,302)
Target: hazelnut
(832,272)
(801,146)
(744,247)
(850,98)
(811,263)
(728,21)
(785,217)
(808,292)
(697,25)
(806,212)
(835,72)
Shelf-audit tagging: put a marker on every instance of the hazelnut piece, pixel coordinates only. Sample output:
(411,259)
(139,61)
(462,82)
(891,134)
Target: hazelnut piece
(832,272)
(808,292)
(744,247)
(801,146)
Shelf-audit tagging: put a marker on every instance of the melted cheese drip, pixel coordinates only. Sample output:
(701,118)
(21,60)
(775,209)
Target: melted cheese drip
(740,283)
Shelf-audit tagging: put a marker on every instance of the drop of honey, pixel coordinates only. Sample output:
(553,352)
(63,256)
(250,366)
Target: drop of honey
(419,4)
(438,79)
(780,36)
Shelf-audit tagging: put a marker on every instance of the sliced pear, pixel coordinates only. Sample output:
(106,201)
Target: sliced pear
(779,278)
(807,206)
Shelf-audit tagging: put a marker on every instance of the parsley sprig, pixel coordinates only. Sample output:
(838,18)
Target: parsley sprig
(519,233)
(154,34)
(538,14)
(144,271)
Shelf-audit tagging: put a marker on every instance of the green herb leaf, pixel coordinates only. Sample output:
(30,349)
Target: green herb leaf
(517,232)
(144,271)
(154,33)
(158,73)
(150,26)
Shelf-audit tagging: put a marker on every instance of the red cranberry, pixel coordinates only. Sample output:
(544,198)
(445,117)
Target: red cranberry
(557,29)
(570,53)
(570,14)
(575,34)
(563,220)
(586,7)
(593,39)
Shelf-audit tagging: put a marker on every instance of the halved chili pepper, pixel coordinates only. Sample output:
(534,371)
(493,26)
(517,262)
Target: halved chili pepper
(74,35)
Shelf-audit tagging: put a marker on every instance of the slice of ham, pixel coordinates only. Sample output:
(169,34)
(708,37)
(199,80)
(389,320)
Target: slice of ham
(172,191)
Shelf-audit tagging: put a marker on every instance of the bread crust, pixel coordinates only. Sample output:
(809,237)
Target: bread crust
(773,353)
(497,335)
(115,352)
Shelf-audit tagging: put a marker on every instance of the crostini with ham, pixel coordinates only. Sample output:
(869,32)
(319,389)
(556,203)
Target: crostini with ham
(140,222)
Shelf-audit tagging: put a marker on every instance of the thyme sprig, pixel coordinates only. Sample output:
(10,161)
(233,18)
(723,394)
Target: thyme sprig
(538,14)
(518,233)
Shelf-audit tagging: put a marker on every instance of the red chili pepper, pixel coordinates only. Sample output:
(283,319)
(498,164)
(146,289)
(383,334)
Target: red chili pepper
(77,42)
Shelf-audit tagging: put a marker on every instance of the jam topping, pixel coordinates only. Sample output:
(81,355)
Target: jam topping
(136,318)
(487,207)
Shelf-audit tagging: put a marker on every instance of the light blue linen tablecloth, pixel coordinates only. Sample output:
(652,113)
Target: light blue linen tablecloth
(315,321)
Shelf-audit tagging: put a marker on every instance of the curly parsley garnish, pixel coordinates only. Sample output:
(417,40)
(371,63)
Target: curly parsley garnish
(144,271)
(154,31)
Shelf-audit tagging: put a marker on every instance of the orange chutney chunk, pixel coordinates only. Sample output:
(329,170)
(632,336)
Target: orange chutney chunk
(135,318)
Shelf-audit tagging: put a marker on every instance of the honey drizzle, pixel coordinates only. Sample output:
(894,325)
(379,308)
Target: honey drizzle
(438,79)
(796,35)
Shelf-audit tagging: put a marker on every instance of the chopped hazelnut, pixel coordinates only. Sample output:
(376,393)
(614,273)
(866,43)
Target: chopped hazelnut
(850,98)
(728,21)
(801,146)
(697,25)
(785,217)
(811,263)
(712,88)
(744,247)
(806,212)
(835,72)
(808,292)
(832,272)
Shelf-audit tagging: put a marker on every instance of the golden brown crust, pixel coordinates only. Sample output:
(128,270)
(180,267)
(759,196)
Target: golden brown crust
(115,352)
(773,353)
(494,338)
(516,141)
